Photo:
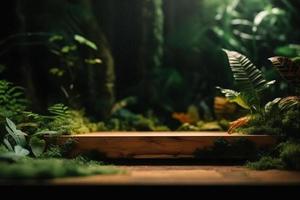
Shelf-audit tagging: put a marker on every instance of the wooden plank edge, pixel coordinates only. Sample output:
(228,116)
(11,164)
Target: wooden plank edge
(139,146)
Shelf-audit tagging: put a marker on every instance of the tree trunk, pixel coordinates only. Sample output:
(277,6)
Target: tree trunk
(151,47)
(101,78)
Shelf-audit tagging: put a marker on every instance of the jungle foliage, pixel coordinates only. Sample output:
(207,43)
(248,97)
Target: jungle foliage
(110,65)
(278,117)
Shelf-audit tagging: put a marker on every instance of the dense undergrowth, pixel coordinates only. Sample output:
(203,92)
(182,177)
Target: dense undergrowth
(51,164)
(279,117)
(24,153)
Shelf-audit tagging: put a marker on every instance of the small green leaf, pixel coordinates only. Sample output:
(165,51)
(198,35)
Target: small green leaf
(93,61)
(55,38)
(82,40)
(68,48)
(37,146)
(20,151)
(56,72)
(234,96)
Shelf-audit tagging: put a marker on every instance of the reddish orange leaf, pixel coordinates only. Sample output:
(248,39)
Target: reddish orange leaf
(238,123)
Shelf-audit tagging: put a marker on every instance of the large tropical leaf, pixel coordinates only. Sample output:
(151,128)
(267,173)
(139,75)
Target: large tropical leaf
(288,69)
(246,74)
(37,146)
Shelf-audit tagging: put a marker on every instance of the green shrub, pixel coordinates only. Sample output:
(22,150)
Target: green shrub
(290,155)
(266,163)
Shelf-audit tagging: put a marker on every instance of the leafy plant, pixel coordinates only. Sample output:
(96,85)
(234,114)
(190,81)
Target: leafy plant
(249,80)
(15,141)
(70,63)
(289,69)
(12,101)
(254,26)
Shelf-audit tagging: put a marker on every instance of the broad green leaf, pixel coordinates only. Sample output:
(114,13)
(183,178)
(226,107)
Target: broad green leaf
(236,97)
(8,145)
(20,151)
(84,41)
(17,135)
(37,145)
(291,50)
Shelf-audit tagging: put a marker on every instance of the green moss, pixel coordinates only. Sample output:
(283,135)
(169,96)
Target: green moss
(290,155)
(285,156)
(259,125)
(29,168)
(291,123)
(266,163)
(286,124)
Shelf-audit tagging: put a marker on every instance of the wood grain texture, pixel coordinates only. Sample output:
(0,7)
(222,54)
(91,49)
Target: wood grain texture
(154,144)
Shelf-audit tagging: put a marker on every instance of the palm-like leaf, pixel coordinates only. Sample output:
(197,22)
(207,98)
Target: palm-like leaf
(246,74)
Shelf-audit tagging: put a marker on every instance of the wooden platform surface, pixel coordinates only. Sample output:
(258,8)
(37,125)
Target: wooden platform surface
(127,145)
(187,175)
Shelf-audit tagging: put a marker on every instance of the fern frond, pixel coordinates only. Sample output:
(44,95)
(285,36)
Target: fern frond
(59,111)
(288,69)
(246,74)
(289,103)
(12,99)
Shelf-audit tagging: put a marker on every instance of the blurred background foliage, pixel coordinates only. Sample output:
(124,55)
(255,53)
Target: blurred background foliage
(165,54)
